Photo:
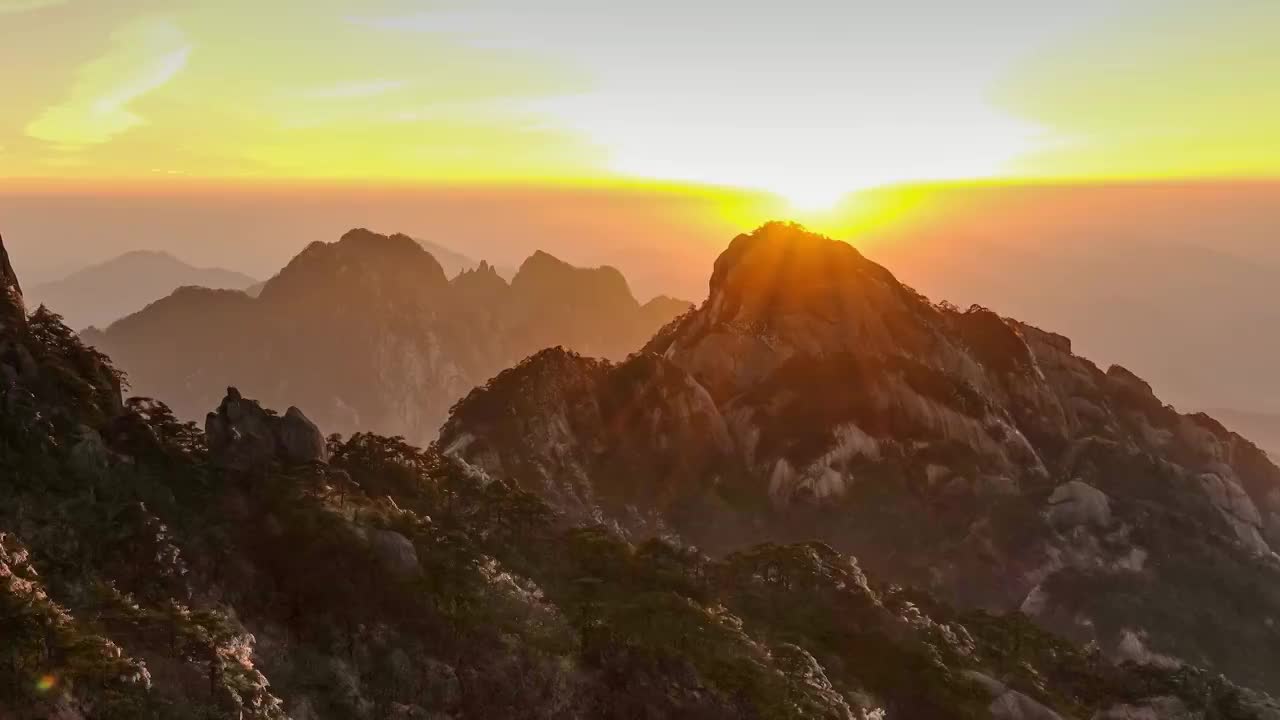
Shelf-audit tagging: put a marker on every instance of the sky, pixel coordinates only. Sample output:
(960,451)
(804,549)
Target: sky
(1106,168)
(806,100)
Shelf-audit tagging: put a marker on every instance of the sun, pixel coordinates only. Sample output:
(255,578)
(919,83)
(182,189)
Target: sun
(812,197)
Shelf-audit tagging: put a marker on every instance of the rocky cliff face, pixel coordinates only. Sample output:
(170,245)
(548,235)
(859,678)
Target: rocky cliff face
(955,450)
(369,334)
(12,310)
(243,436)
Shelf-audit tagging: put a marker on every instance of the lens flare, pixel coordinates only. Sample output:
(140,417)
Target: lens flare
(46,683)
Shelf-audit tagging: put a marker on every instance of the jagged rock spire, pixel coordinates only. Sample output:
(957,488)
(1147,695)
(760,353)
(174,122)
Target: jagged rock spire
(244,436)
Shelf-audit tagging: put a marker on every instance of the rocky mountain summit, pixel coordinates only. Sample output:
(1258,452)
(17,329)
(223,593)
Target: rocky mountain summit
(368,333)
(812,395)
(244,436)
(143,575)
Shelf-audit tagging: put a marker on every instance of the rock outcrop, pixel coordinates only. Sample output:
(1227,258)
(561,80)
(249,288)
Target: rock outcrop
(395,552)
(13,310)
(961,451)
(1079,503)
(243,436)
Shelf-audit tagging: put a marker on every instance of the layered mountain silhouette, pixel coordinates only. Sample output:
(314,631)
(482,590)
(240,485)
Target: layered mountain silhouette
(368,333)
(1163,277)
(454,262)
(108,291)
(149,569)
(813,396)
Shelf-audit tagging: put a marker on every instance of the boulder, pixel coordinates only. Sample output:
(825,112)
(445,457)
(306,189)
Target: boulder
(1133,648)
(1079,503)
(244,436)
(395,552)
(1237,509)
(1013,705)
(299,440)
(89,457)
(1273,530)
(993,687)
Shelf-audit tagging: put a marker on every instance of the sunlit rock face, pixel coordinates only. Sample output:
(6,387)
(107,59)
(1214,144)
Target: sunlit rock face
(956,450)
(368,334)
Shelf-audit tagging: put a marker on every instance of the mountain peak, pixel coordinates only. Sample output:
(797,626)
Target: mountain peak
(780,255)
(367,239)
(147,254)
(481,284)
(783,290)
(541,259)
(363,258)
(543,273)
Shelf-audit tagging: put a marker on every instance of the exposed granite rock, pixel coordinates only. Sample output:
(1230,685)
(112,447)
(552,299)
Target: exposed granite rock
(13,312)
(926,440)
(300,441)
(89,455)
(1013,705)
(244,436)
(395,552)
(1237,509)
(1079,503)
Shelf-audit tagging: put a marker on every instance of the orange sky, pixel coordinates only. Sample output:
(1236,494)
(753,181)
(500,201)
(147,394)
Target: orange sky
(808,100)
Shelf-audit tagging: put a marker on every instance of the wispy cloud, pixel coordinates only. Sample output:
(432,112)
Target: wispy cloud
(17,6)
(354,90)
(144,56)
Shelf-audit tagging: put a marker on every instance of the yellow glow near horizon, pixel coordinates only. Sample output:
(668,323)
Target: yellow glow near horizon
(811,102)
(813,198)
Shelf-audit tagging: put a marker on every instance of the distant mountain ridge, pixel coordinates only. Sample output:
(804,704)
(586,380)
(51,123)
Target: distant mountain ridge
(370,333)
(812,395)
(105,292)
(455,263)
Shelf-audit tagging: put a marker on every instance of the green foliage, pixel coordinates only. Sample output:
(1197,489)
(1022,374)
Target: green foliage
(394,583)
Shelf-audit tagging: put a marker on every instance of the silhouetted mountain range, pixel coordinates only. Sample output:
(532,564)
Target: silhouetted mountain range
(454,262)
(1175,279)
(110,290)
(368,333)
(812,395)
(151,570)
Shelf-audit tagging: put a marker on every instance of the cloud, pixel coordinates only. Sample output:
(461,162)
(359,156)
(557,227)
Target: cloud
(17,6)
(355,90)
(144,56)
